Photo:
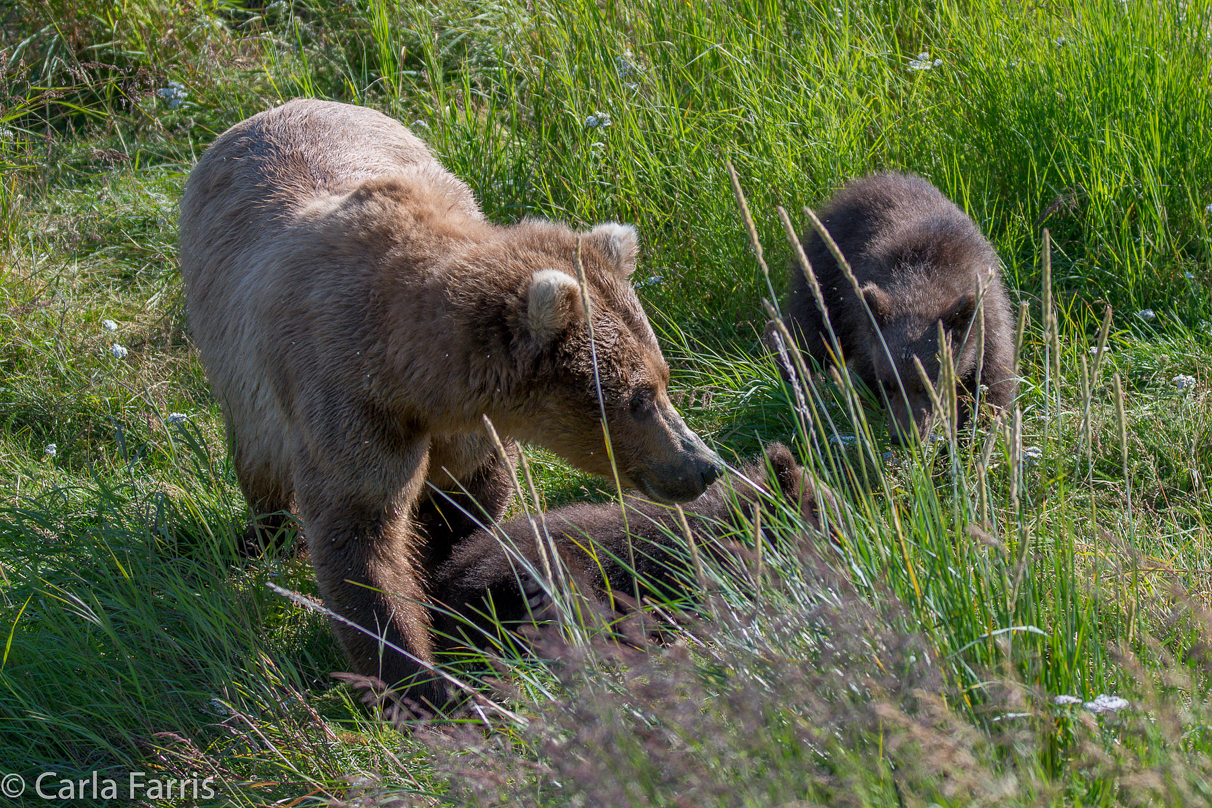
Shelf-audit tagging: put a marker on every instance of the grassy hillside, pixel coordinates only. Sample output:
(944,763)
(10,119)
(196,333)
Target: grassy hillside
(1065,553)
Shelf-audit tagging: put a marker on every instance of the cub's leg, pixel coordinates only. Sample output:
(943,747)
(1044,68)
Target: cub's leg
(999,365)
(806,326)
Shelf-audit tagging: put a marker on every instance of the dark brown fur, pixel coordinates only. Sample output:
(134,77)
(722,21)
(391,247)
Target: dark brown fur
(919,260)
(484,585)
(358,317)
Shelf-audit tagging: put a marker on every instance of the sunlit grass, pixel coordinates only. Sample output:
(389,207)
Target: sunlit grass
(1012,571)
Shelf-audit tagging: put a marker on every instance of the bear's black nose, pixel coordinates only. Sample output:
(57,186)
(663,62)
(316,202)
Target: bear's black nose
(710,471)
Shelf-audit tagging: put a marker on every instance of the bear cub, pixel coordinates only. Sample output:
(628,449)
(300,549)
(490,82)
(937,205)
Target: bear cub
(482,578)
(919,260)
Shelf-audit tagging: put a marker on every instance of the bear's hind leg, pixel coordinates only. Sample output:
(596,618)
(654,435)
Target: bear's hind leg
(269,501)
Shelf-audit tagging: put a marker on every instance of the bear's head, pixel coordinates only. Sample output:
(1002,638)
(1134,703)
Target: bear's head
(782,477)
(610,366)
(909,326)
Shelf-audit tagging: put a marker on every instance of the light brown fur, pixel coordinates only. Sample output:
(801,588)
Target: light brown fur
(358,316)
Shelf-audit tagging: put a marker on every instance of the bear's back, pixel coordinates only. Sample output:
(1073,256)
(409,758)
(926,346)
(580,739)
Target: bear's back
(260,174)
(901,233)
(269,250)
(889,222)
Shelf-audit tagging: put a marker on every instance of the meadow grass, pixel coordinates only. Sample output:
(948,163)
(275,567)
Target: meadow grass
(915,662)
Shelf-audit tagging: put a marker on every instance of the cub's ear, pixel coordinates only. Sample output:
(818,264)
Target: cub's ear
(878,301)
(554,303)
(618,242)
(787,472)
(959,314)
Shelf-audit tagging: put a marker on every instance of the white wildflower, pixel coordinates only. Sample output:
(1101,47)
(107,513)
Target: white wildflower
(1182,382)
(1094,351)
(1148,315)
(597,144)
(1032,455)
(6,134)
(51,450)
(216,707)
(895,460)
(1208,208)
(118,351)
(922,62)
(655,280)
(843,440)
(598,118)
(176,418)
(173,94)
(1106,704)
(109,325)
(1012,716)
(625,65)
(1189,275)
(419,124)
(1065,701)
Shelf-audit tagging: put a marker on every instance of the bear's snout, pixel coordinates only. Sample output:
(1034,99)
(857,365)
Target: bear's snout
(908,421)
(684,476)
(707,466)
(707,463)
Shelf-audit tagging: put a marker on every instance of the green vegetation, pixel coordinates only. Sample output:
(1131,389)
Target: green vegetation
(917,663)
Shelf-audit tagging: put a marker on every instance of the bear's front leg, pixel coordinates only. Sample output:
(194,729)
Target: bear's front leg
(367,562)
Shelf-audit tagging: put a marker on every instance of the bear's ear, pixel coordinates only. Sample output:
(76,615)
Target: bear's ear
(618,242)
(878,301)
(959,314)
(554,303)
(786,470)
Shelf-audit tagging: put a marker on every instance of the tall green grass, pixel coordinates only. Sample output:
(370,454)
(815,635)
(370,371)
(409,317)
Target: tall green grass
(999,577)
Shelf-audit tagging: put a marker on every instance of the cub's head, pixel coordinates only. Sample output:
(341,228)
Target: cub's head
(776,477)
(910,328)
(580,369)
(782,476)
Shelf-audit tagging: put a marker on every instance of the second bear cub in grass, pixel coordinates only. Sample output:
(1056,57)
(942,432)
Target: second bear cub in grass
(919,260)
(483,578)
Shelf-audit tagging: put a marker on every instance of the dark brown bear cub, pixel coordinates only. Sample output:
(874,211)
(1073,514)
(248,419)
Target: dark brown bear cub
(483,584)
(919,260)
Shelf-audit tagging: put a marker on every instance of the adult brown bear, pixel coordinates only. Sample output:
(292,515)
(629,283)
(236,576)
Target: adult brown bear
(606,551)
(919,260)
(357,317)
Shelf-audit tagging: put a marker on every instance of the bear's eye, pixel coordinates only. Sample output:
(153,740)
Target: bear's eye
(642,401)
